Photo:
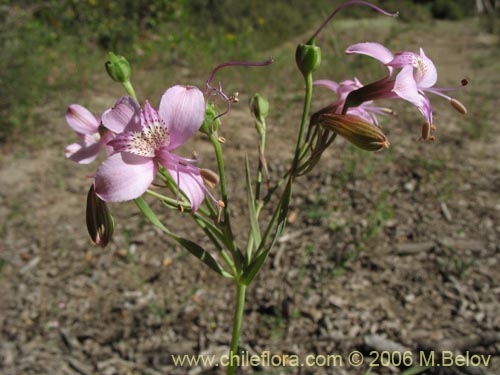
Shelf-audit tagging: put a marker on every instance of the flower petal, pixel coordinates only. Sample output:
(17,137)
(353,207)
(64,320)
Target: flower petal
(331,85)
(425,108)
(182,108)
(123,177)
(125,115)
(186,176)
(429,73)
(375,50)
(82,154)
(81,120)
(402,59)
(406,87)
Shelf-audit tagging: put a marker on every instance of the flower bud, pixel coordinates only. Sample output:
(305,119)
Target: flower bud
(360,133)
(100,223)
(259,107)
(308,58)
(118,68)
(210,124)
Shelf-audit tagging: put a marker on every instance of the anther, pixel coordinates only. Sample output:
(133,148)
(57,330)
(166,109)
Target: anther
(234,98)
(211,178)
(464,82)
(221,204)
(458,106)
(221,140)
(194,154)
(182,162)
(426,131)
(180,208)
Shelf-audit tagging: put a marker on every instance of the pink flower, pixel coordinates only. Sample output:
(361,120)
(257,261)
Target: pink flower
(418,75)
(148,137)
(93,138)
(365,110)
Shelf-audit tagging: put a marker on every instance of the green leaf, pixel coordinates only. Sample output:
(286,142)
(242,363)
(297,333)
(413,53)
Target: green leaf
(189,245)
(254,224)
(202,255)
(254,267)
(279,217)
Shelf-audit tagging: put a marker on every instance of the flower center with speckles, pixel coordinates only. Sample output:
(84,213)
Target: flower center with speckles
(421,66)
(153,136)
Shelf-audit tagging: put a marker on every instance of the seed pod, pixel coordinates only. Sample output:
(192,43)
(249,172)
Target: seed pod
(308,58)
(360,133)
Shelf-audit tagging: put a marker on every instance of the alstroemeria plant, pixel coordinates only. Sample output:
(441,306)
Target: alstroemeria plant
(142,145)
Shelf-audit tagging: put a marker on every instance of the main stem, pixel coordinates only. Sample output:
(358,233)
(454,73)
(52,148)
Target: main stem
(238,318)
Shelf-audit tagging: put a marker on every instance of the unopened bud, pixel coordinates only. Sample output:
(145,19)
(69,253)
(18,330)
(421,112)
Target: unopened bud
(210,124)
(458,106)
(211,178)
(118,68)
(259,106)
(100,223)
(360,133)
(308,58)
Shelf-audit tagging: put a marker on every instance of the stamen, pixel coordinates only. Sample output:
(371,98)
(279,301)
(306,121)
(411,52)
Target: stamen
(458,106)
(426,131)
(210,177)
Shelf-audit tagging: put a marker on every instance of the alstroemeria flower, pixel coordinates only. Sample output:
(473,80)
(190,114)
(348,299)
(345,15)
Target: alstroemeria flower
(418,75)
(148,137)
(93,138)
(365,110)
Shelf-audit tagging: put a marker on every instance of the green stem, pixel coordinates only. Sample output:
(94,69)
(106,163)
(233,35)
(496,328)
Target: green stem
(238,319)
(130,89)
(305,116)
(223,188)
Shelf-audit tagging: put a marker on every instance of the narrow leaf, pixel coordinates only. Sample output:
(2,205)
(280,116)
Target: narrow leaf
(254,224)
(279,218)
(190,246)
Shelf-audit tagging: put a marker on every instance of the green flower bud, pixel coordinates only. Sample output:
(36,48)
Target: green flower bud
(118,68)
(360,133)
(100,223)
(308,58)
(259,107)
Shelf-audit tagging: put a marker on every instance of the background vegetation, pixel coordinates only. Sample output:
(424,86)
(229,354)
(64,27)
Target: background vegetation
(50,48)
